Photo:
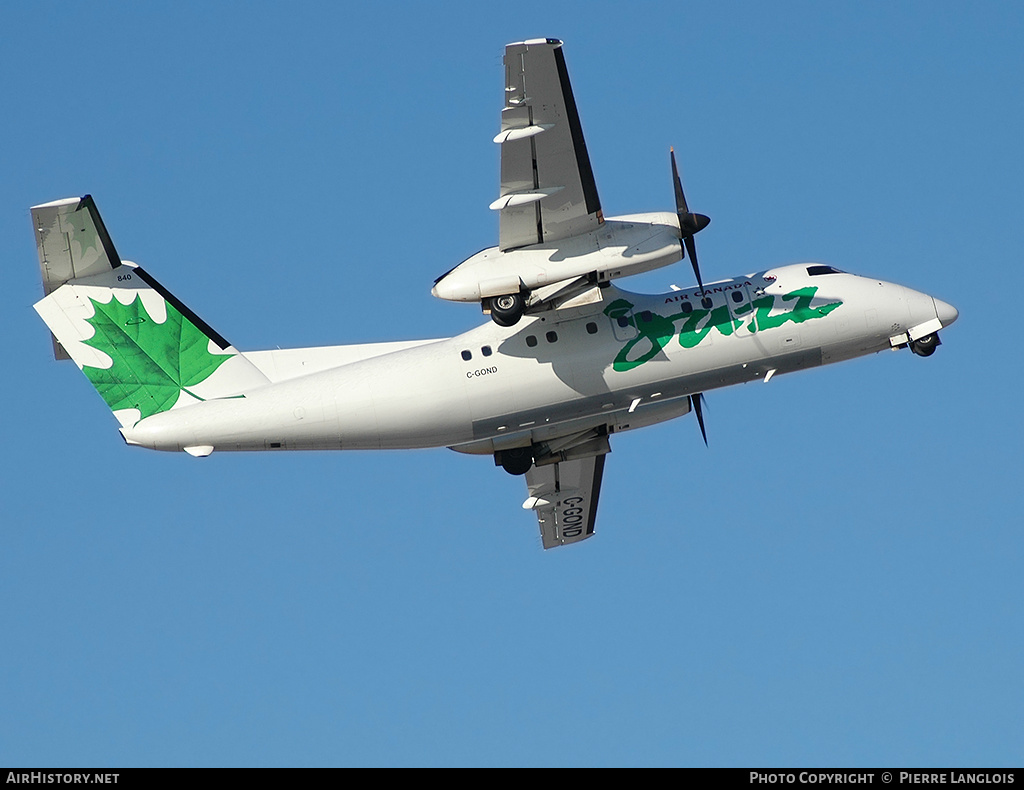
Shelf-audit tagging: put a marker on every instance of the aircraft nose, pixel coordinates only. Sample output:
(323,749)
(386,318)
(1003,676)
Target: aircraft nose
(945,312)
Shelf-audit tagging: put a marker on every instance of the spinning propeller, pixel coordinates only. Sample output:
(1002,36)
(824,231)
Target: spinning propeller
(689,225)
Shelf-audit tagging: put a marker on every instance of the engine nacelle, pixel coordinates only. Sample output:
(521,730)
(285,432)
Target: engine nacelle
(619,247)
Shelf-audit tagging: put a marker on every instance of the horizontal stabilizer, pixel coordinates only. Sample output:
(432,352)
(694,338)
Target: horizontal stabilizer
(71,242)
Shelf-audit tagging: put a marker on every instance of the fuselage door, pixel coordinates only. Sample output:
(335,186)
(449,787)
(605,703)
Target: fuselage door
(623,324)
(741,308)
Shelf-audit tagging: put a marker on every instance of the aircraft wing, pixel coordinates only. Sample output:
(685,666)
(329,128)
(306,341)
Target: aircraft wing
(547,185)
(564,497)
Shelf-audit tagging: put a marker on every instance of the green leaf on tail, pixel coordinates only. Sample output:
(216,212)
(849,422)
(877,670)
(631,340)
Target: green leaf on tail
(153,362)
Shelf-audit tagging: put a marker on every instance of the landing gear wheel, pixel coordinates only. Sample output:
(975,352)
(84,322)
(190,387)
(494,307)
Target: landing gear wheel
(925,346)
(506,310)
(516,461)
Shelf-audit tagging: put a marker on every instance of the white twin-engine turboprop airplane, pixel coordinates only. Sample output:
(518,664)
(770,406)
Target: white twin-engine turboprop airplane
(568,360)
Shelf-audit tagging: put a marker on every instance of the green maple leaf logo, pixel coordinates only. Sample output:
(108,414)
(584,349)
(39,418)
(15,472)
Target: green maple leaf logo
(153,363)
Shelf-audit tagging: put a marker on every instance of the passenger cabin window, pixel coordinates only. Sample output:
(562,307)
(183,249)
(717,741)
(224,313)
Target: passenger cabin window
(552,337)
(486,351)
(591,328)
(531,341)
(816,270)
(686,307)
(706,303)
(622,320)
(467,355)
(737,296)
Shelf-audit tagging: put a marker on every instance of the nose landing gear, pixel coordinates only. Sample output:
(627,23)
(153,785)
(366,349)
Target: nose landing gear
(925,346)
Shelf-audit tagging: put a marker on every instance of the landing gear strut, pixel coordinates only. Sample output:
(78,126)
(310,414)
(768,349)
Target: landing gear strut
(506,310)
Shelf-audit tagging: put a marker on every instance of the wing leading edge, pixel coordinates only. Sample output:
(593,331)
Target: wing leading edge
(564,496)
(548,190)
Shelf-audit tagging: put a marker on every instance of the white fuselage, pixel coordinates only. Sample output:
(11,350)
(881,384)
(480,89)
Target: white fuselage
(626,361)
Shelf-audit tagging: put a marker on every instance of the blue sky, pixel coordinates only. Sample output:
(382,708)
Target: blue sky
(836,580)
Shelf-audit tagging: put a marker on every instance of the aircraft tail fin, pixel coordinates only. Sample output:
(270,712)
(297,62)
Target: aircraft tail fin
(144,351)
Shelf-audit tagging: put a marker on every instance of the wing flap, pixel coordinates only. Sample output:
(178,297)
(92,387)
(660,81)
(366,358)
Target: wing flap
(564,496)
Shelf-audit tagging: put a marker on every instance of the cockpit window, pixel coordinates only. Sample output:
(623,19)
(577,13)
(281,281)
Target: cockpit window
(816,270)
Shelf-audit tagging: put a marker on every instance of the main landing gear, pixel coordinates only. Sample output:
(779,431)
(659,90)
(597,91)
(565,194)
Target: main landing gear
(516,461)
(506,310)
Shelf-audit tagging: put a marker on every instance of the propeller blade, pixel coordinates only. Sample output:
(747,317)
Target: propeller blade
(696,402)
(691,249)
(689,223)
(681,207)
